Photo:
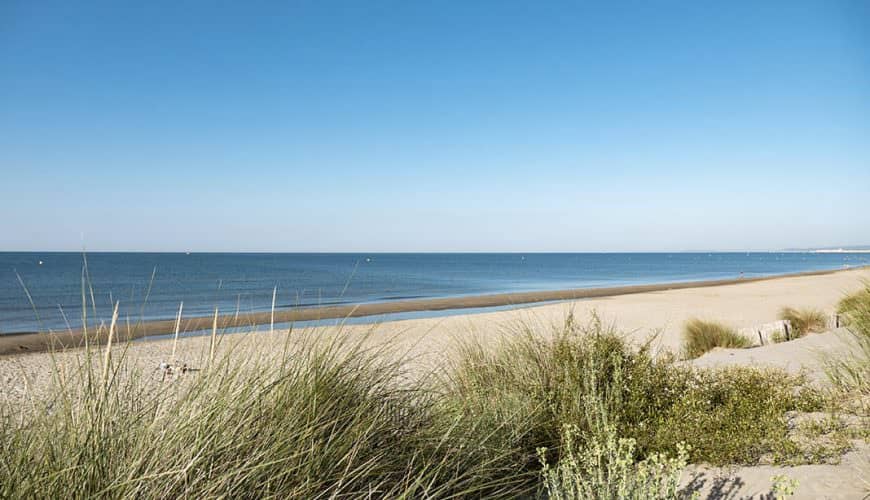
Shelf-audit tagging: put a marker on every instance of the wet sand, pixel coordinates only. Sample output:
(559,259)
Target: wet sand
(41,342)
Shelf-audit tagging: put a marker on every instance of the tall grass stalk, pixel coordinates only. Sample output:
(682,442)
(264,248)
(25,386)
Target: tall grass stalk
(177,330)
(272,315)
(107,358)
(213,342)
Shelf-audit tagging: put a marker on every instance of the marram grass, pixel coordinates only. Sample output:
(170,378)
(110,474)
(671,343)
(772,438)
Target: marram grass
(851,373)
(329,421)
(342,417)
(803,321)
(701,336)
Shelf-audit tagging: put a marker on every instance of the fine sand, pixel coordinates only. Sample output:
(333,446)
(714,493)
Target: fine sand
(659,315)
(641,315)
(43,341)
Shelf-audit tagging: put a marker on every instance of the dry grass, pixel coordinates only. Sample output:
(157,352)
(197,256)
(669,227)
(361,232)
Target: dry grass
(702,336)
(851,374)
(804,321)
(855,302)
(328,419)
(340,417)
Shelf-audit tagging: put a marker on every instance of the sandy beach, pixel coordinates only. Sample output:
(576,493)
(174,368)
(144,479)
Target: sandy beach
(39,342)
(640,312)
(640,315)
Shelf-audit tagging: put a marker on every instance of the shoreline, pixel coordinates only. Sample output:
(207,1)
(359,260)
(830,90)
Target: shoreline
(21,343)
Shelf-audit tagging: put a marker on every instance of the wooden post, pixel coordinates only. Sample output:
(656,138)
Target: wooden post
(760,338)
(785,327)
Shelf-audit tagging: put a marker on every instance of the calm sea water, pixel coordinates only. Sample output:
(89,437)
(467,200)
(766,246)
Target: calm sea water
(245,281)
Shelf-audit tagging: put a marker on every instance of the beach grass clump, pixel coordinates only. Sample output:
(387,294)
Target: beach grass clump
(332,419)
(803,321)
(701,336)
(516,398)
(850,373)
(575,409)
(854,303)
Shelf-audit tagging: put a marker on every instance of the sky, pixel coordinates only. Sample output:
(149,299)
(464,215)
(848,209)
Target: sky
(433,126)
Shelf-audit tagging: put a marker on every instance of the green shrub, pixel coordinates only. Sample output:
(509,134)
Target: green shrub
(606,470)
(735,415)
(803,321)
(517,397)
(333,418)
(782,487)
(702,336)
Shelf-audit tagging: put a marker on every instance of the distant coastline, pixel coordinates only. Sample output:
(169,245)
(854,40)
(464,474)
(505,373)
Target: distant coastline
(840,250)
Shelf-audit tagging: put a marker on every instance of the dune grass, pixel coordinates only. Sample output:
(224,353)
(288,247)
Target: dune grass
(701,336)
(803,321)
(855,302)
(329,420)
(851,373)
(344,417)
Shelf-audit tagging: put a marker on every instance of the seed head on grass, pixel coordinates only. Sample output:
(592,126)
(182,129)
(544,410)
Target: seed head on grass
(804,321)
(701,336)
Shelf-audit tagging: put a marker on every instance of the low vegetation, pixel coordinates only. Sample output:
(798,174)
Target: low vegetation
(701,336)
(556,414)
(527,388)
(607,470)
(855,303)
(851,373)
(328,421)
(803,321)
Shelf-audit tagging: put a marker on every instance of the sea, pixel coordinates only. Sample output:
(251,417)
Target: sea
(42,291)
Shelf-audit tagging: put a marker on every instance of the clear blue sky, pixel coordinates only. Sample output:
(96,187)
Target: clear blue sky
(433,126)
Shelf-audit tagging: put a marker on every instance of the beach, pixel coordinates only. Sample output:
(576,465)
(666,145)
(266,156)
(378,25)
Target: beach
(615,301)
(641,315)
(657,315)
(641,312)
